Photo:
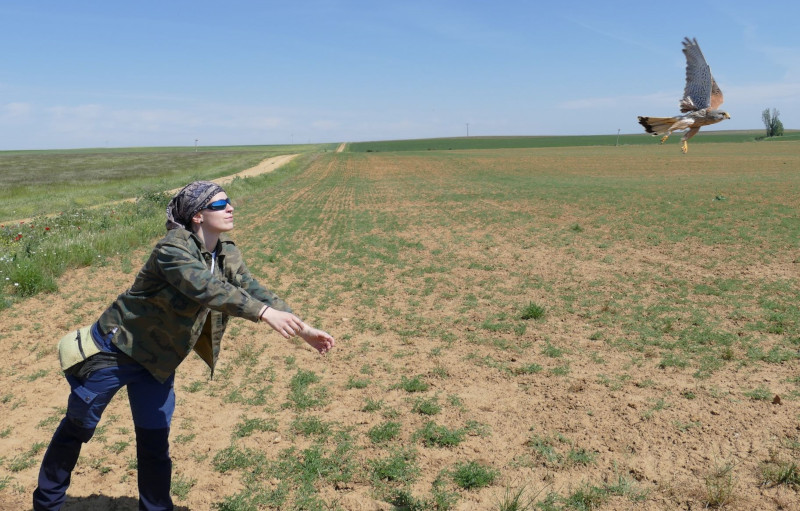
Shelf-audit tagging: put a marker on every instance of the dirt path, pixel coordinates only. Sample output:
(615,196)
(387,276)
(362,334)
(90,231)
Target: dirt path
(267,165)
(341,147)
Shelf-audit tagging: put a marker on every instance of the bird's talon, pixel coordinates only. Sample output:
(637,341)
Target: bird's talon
(685,148)
(664,138)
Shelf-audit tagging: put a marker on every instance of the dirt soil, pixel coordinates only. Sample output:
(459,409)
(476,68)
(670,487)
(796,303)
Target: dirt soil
(670,453)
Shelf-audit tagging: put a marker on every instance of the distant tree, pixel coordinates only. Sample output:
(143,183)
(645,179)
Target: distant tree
(772,122)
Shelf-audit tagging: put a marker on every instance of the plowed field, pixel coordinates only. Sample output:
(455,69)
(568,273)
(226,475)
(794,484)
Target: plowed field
(662,373)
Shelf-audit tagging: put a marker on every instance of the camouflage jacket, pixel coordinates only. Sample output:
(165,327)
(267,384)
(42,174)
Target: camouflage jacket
(177,305)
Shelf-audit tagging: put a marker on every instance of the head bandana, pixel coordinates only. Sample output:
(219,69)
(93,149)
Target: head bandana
(191,199)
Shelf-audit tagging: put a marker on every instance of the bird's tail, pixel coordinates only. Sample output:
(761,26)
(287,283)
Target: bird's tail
(657,125)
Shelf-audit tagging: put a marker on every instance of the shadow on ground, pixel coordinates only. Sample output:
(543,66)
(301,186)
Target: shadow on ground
(103,503)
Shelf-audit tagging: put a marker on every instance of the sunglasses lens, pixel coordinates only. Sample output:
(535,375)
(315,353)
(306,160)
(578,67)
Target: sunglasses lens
(218,205)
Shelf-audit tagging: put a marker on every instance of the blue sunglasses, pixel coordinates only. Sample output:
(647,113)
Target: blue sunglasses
(218,205)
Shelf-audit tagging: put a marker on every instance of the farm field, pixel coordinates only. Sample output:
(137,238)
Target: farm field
(560,328)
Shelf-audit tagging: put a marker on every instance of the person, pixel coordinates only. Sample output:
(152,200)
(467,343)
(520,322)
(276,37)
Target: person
(180,301)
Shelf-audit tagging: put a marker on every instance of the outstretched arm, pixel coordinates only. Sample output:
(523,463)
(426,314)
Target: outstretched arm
(289,325)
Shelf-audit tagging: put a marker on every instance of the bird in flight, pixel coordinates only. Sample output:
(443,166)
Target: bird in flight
(701,98)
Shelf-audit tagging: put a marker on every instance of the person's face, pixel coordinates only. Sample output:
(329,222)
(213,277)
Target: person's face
(218,214)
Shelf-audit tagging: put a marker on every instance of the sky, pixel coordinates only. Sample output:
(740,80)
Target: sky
(98,73)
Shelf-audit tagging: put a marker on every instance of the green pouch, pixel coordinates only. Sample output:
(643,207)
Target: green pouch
(75,347)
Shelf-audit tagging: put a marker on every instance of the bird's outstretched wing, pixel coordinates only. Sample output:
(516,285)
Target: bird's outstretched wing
(701,90)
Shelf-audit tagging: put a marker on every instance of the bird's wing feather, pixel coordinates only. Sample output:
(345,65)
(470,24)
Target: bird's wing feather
(699,82)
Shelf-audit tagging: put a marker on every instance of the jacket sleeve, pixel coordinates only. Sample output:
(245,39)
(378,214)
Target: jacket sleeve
(256,290)
(189,275)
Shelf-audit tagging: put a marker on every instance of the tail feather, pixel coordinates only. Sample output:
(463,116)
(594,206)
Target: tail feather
(657,125)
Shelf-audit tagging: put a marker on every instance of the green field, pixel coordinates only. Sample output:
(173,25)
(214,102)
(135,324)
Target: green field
(584,326)
(445,144)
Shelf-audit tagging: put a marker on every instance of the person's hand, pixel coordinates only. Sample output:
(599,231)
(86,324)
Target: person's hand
(317,339)
(285,323)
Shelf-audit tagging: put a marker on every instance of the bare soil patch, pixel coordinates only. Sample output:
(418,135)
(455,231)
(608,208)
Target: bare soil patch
(429,309)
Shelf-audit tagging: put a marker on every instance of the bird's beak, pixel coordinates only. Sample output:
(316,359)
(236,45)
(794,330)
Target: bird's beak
(727,115)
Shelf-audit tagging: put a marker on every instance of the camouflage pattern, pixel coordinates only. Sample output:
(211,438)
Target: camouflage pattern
(176,305)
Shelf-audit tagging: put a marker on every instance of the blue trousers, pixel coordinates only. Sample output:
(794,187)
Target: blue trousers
(152,405)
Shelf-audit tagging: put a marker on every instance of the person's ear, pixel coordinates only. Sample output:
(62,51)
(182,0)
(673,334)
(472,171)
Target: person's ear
(197,219)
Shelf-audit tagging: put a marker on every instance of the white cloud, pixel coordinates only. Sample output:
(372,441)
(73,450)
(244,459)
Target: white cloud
(15,112)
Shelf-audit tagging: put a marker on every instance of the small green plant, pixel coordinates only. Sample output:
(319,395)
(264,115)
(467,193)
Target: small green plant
(302,395)
(233,458)
(760,393)
(531,368)
(26,459)
(551,351)
(472,475)
(432,434)
(372,405)
(118,447)
(357,383)
(720,485)
(400,466)
(515,500)
(311,426)
(543,446)
(385,432)
(532,311)
(249,426)
(580,456)
(672,360)
(427,406)
(587,497)
(181,485)
(777,471)
(415,384)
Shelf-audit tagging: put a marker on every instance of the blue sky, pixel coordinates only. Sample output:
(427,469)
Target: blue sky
(157,73)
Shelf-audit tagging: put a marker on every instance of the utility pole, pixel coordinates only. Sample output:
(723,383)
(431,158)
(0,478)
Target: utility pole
(195,145)
(467,129)
(617,137)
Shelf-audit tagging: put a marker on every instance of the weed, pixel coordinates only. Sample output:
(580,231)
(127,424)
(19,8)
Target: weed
(427,406)
(432,434)
(249,426)
(720,485)
(233,458)
(385,432)
(372,405)
(514,501)
(302,395)
(551,351)
(26,459)
(531,368)
(543,446)
(472,475)
(311,426)
(400,467)
(356,383)
(415,384)
(760,393)
(778,471)
(580,457)
(181,485)
(118,447)
(532,311)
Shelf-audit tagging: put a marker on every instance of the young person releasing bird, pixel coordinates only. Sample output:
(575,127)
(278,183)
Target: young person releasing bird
(701,98)
(194,281)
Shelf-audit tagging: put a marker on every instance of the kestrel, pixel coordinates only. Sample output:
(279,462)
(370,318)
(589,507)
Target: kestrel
(701,98)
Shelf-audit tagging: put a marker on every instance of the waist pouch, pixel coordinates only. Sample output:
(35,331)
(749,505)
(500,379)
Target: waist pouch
(75,347)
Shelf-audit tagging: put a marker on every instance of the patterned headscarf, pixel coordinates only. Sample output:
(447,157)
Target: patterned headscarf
(186,203)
